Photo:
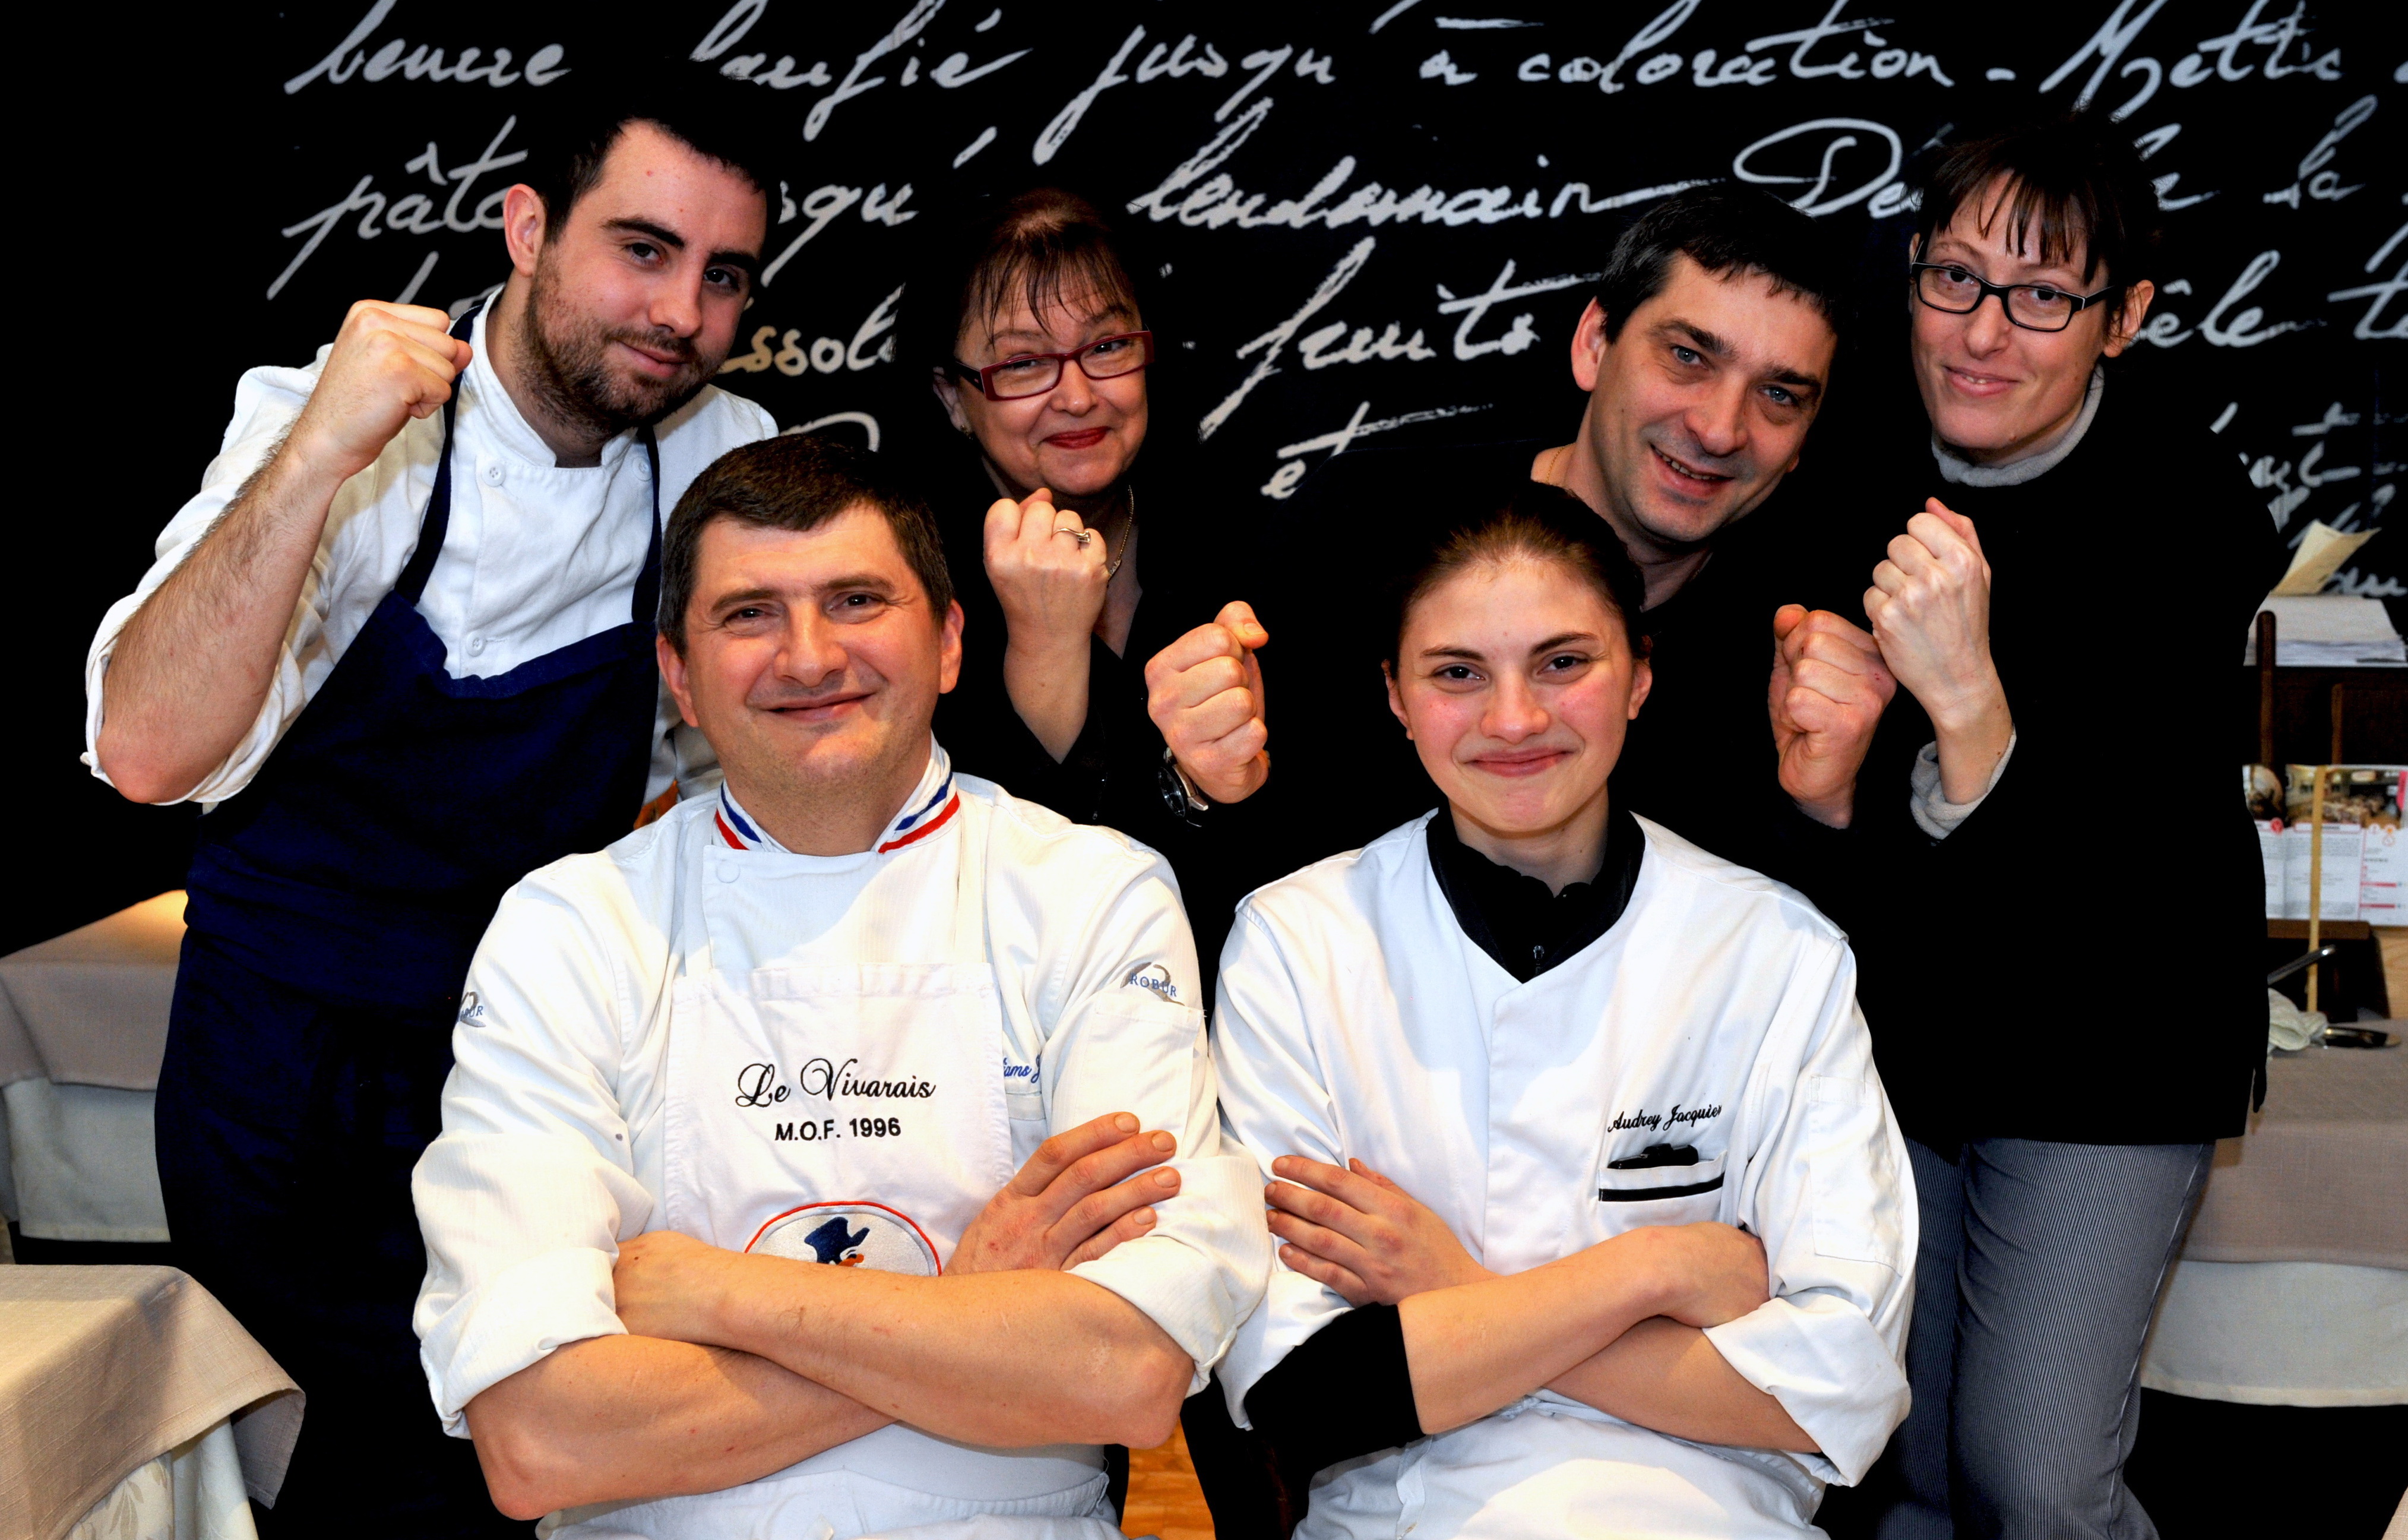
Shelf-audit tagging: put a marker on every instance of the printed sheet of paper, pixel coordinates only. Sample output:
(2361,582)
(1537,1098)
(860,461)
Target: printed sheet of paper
(2369,797)
(2344,848)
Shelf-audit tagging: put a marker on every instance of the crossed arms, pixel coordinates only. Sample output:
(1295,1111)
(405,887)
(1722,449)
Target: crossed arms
(1787,1338)
(735,1366)
(1616,1325)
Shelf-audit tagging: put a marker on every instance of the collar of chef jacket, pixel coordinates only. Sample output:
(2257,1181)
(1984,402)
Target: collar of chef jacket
(932,804)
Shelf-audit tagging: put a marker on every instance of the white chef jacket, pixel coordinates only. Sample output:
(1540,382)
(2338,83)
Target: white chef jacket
(553,1148)
(1357,1020)
(537,556)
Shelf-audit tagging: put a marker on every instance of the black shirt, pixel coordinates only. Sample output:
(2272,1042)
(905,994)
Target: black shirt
(2022,977)
(1514,918)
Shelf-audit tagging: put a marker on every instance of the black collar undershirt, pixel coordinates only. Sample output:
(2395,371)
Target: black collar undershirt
(1514,917)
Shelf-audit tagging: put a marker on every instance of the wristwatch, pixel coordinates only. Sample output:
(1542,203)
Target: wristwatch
(1178,794)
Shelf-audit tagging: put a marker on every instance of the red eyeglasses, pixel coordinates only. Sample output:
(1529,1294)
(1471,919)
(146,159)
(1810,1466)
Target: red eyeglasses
(1035,373)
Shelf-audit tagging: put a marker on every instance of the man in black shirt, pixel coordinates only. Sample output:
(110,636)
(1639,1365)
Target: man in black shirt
(1706,353)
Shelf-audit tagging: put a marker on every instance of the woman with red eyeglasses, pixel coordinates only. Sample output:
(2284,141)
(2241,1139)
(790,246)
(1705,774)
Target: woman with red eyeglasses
(1104,672)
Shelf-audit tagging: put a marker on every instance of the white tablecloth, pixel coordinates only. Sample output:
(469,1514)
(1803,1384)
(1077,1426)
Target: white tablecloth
(2282,1334)
(104,1370)
(194,1492)
(2292,1288)
(83,1021)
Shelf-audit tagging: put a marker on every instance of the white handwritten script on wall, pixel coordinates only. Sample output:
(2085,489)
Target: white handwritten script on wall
(1376,222)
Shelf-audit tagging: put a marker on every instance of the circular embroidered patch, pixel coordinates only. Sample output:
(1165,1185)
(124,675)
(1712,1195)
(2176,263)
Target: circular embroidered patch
(855,1234)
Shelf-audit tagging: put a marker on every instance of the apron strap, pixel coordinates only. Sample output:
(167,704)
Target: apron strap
(643,605)
(437,520)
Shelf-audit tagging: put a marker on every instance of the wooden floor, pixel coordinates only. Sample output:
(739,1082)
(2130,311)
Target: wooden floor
(1162,1497)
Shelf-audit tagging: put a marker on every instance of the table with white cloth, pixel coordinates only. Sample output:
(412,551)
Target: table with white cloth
(134,1407)
(2292,1287)
(83,1023)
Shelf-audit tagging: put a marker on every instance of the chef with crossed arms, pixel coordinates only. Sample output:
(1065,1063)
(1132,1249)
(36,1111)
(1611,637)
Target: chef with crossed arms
(837,1154)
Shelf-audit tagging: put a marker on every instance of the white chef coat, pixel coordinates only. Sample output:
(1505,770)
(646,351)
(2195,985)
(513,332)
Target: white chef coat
(1357,1020)
(560,1114)
(537,556)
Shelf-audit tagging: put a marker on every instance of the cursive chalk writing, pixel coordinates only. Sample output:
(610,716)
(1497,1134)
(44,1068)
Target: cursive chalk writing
(396,57)
(413,213)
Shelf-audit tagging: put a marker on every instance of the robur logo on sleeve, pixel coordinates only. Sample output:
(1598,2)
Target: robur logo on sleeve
(1155,978)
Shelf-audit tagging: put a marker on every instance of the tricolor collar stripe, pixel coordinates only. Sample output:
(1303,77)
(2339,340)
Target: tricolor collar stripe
(940,821)
(744,828)
(943,791)
(726,833)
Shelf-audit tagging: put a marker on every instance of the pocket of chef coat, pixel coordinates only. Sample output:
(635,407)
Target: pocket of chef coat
(1659,1195)
(1857,1187)
(1024,1100)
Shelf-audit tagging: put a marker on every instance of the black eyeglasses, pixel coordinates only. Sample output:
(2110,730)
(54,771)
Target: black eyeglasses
(1035,373)
(2034,307)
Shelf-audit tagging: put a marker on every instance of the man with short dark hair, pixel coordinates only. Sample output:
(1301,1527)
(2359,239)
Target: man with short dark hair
(722,1229)
(1706,355)
(401,644)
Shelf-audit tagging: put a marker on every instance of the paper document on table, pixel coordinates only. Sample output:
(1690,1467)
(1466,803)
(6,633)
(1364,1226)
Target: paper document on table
(2367,797)
(2330,629)
(2321,552)
(2345,846)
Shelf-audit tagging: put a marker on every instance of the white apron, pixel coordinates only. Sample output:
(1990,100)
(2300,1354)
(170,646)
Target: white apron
(850,1114)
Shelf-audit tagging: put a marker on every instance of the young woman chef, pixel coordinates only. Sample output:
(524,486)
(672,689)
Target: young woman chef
(1592,1203)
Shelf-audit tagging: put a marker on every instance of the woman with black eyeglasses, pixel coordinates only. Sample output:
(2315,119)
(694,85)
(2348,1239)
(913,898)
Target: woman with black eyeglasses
(1104,673)
(2060,941)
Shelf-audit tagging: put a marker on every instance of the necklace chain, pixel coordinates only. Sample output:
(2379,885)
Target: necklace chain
(1128,537)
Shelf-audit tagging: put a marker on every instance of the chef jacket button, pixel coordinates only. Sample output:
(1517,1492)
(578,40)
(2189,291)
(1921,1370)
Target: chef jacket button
(725,872)
(493,474)
(476,646)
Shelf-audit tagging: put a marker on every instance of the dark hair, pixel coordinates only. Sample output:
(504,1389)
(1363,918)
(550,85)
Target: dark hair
(2074,182)
(1538,523)
(794,482)
(1724,230)
(1040,247)
(566,161)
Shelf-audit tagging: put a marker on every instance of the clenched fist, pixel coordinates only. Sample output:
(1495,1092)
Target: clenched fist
(389,363)
(1930,609)
(1049,580)
(1205,693)
(1830,687)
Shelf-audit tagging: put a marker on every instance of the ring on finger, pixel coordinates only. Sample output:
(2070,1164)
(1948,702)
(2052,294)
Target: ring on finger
(1081,536)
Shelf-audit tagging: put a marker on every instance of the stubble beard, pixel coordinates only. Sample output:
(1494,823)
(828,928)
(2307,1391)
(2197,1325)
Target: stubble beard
(568,355)
(865,787)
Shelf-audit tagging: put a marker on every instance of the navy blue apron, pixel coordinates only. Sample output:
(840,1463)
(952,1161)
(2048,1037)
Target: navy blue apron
(335,904)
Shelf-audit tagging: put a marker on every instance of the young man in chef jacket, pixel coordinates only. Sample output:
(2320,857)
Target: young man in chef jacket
(1594,1216)
(836,1154)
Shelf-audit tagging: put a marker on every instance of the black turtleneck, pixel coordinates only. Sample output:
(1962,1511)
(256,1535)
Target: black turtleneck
(1515,918)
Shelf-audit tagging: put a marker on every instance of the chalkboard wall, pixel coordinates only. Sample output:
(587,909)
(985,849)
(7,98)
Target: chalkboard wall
(1372,219)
